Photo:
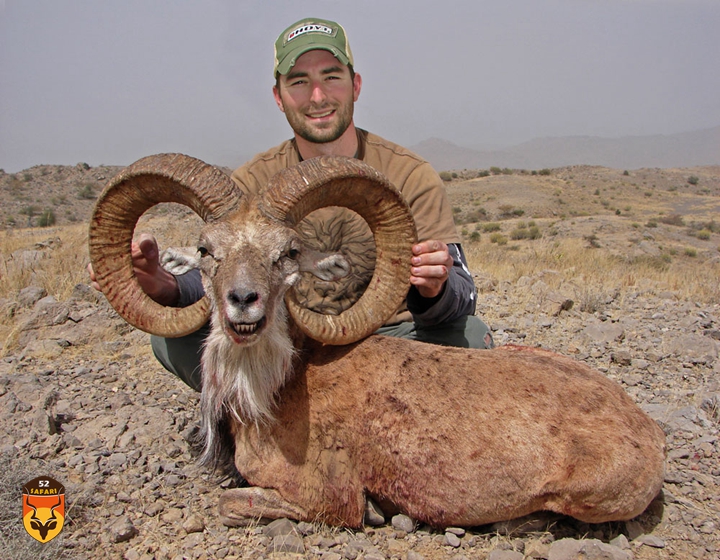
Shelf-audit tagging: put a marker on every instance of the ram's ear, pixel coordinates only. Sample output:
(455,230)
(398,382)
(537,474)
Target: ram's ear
(326,266)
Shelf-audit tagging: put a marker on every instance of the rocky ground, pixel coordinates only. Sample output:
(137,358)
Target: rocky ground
(83,401)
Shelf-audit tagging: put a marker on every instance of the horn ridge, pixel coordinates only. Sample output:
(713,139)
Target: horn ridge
(149,181)
(347,182)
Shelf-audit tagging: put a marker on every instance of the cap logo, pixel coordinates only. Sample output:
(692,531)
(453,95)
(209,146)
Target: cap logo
(309,28)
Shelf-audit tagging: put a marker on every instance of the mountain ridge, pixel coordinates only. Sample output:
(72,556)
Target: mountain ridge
(685,149)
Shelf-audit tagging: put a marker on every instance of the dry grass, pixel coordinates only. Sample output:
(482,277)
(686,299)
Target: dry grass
(57,269)
(597,271)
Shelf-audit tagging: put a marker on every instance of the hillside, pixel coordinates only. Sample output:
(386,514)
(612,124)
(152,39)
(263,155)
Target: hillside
(688,149)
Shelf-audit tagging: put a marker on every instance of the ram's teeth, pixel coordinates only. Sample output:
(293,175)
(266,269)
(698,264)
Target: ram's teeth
(241,328)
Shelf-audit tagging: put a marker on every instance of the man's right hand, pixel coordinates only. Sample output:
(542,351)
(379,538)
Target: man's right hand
(157,283)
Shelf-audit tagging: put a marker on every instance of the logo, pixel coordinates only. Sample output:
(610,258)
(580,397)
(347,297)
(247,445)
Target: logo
(43,507)
(309,28)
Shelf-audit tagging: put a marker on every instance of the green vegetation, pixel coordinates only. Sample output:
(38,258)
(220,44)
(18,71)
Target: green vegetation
(86,191)
(47,218)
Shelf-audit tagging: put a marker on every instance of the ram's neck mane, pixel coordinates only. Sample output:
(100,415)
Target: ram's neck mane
(240,383)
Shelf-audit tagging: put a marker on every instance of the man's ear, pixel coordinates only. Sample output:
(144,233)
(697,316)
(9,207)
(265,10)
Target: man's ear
(278,98)
(357,86)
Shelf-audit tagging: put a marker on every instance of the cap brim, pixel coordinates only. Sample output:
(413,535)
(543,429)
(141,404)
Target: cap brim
(289,61)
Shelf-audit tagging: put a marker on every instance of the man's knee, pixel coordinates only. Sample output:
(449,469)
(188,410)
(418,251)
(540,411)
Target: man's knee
(181,356)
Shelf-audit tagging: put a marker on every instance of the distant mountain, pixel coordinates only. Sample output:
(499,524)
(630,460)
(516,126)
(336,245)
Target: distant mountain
(688,149)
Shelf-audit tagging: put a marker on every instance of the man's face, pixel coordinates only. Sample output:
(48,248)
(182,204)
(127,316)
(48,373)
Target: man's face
(318,96)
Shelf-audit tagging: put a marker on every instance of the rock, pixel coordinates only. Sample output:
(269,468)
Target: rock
(27,297)
(451,540)
(402,522)
(505,555)
(194,524)
(280,527)
(650,540)
(373,514)
(122,530)
(291,544)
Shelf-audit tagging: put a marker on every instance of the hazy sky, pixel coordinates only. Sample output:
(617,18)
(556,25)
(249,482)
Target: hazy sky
(108,82)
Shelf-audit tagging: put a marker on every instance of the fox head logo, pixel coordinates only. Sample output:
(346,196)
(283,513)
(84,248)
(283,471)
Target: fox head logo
(43,503)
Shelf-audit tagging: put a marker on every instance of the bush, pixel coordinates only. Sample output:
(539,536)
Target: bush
(498,238)
(693,180)
(492,226)
(475,236)
(672,220)
(47,218)
(86,191)
(690,252)
(483,173)
(544,172)
(446,176)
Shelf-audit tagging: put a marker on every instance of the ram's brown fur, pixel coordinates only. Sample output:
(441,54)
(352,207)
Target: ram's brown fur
(450,436)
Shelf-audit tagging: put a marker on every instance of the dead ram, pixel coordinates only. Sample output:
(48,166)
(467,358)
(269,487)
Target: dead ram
(322,415)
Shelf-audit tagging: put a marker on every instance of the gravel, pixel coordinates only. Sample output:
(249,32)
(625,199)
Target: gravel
(83,401)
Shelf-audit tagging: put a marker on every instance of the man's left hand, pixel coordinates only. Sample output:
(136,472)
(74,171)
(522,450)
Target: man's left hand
(431,266)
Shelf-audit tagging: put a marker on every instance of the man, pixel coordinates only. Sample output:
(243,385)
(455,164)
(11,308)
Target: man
(316,87)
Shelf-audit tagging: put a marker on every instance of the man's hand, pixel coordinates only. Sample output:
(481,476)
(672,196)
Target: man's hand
(157,283)
(431,266)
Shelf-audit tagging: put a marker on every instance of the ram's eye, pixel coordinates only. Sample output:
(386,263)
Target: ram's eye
(293,253)
(203,251)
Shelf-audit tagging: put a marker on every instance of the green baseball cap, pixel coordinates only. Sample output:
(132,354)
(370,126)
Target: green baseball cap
(307,35)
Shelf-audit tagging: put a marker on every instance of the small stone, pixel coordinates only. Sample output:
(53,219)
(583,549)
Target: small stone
(402,522)
(287,543)
(280,527)
(451,540)
(505,555)
(650,540)
(122,530)
(374,516)
(194,524)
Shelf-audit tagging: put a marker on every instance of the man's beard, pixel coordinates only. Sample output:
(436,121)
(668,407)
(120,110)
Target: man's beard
(310,133)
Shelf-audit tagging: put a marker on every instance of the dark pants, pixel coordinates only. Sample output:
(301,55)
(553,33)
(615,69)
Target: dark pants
(181,356)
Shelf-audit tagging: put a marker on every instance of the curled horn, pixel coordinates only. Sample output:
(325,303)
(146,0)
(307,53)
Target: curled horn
(147,182)
(338,181)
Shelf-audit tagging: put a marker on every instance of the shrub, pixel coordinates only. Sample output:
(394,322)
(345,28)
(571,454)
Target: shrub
(446,176)
(672,220)
(483,173)
(593,241)
(86,191)
(492,226)
(544,172)
(47,218)
(651,224)
(498,238)
(495,170)
(626,172)
(703,234)
(693,180)
(475,236)
(690,252)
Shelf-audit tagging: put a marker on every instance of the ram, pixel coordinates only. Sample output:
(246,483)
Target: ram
(318,414)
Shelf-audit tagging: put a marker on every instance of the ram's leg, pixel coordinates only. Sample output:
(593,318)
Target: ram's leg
(241,506)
